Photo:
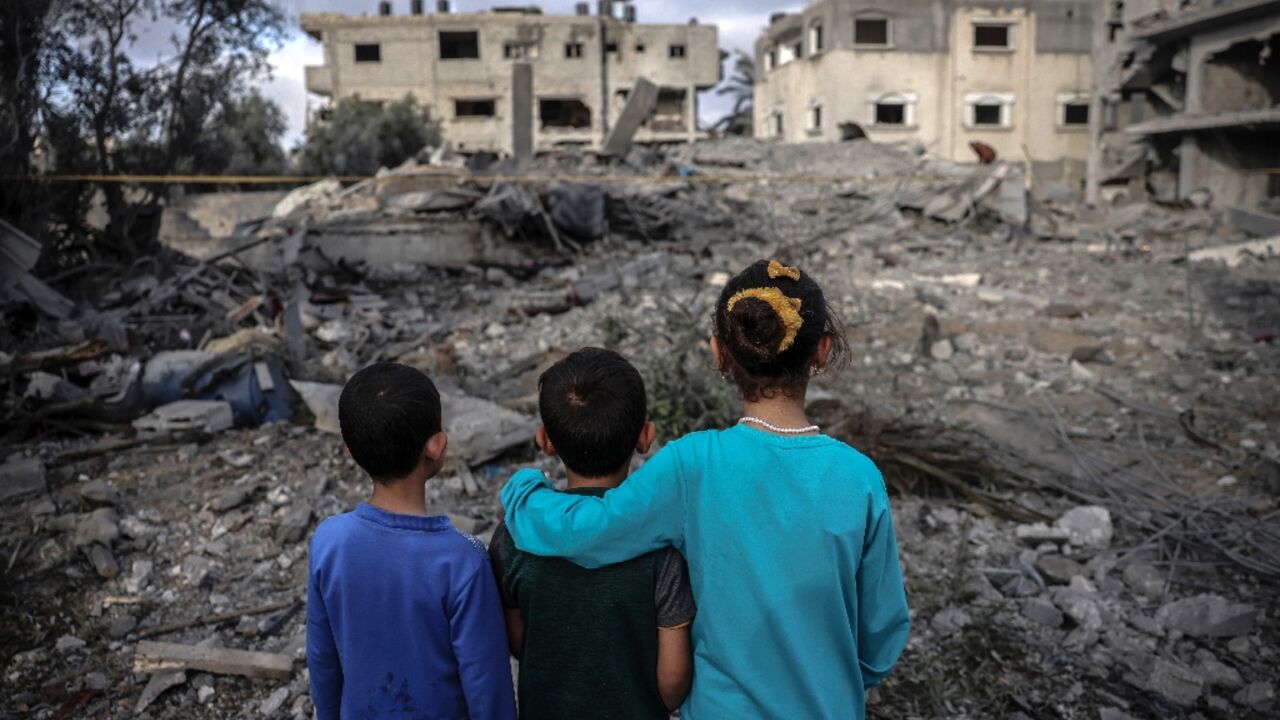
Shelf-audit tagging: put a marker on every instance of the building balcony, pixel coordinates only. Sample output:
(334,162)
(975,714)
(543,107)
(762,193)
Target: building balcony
(319,79)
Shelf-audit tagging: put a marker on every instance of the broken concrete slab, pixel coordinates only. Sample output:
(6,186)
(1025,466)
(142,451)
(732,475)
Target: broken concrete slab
(480,429)
(640,104)
(1234,254)
(20,477)
(160,657)
(1208,615)
(206,416)
(322,400)
(305,196)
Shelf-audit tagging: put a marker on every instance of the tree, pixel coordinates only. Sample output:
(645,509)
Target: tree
(359,137)
(242,138)
(22,67)
(105,113)
(741,86)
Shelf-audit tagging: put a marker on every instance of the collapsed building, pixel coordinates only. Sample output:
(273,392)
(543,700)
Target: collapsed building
(513,79)
(1015,76)
(1188,103)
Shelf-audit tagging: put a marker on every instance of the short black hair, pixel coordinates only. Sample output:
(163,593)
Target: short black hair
(388,411)
(593,407)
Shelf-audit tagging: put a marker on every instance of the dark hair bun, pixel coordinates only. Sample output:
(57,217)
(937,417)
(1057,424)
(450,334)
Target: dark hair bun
(753,332)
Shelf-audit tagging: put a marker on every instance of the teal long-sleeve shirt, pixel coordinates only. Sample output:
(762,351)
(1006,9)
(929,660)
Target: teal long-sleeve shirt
(791,553)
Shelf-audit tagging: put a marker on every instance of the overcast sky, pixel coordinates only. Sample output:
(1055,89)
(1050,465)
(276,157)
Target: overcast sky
(739,23)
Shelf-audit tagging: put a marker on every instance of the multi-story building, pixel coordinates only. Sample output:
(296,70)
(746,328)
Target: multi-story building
(1188,100)
(509,77)
(1014,75)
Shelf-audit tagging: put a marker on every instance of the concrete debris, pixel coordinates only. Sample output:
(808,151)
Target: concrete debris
(306,197)
(1057,395)
(1260,696)
(1233,255)
(207,416)
(1208,615)
(1087,526)
(156,686)
(21,477)
(1175,682)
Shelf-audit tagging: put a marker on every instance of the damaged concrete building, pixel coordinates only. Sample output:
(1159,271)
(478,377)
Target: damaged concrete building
(1012,75)
(513,79)
(1188,101)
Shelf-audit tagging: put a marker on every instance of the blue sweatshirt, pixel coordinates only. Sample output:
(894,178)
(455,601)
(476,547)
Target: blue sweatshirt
(404,621)
(791,554)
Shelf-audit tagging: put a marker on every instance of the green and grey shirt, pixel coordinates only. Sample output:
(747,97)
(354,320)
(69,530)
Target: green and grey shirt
(591,636)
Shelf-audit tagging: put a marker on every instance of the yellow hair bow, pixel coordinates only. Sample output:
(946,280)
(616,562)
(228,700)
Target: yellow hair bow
(787,308)
(777,270)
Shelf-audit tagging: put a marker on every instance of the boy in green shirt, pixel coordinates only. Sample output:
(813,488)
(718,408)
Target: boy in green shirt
(611,642)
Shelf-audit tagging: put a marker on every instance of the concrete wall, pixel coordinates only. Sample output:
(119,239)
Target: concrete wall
(411,64)
(946,70)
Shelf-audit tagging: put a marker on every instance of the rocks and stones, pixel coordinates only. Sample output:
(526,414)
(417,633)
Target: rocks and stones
(100,526)
(1114,713)
(295,523)
(206,416)
(1058,568)
(1258,696)
(941,350)
(68,643)
(139,575)
(967,343)
(1080,373)
(1144,579)
(205,694)
(99,492)
(950,620)
(104,563)
(1036,533)
(122,626)
(1208,615)
(1042,612)
(233,498)
(20,477)
(156,686)
(275,701)
(1080,606)
(96,681)
(1087,526)
(1215,672)
(1174,681)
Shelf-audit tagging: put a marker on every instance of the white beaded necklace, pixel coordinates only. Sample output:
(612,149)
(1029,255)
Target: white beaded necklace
(775,428)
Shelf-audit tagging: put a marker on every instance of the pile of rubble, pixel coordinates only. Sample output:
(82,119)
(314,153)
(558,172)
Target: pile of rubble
(1075,408)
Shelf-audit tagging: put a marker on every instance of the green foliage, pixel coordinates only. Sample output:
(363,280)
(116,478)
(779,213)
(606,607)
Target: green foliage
(741,87)
(243,138)
(360,137)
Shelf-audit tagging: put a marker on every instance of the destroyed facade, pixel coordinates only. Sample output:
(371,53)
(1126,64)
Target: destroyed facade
(514,79)
(1188,102)
(1014,76)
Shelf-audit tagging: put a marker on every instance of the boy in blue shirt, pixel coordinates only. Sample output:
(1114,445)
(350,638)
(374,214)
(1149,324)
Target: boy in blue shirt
(403,616)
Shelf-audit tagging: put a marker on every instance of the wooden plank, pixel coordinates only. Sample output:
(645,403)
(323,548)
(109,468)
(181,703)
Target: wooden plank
(153,657)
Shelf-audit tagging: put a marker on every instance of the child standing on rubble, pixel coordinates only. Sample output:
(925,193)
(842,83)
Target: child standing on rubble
(611,642)
(403,616)
(787,532)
